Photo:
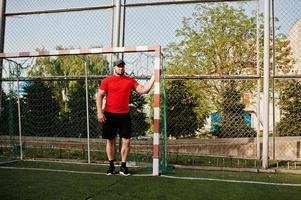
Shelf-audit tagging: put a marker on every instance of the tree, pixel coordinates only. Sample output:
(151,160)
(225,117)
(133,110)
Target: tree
(68,66)
(9,114)
(290,105)
(232,115)
(138,115)
(4,114)
(71,94)
(182,120)
(77,110)
(77,115)
(219,39)
(40,111)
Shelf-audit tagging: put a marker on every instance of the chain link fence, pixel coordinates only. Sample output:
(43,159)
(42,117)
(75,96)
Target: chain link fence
(49,25)
(46,110)
(212,81)
(286,93)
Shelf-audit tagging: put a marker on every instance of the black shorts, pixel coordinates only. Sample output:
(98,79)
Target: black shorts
(117,123)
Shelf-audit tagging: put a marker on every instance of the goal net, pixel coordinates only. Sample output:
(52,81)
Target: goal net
(48,107)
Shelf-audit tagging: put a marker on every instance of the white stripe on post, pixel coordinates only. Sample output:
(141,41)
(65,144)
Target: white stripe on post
(118,49)
(74,51)
(55,52)
(13,54)
(142,48)
(155,167)
(157,113)
(157,88)
(35,53)
(157,63)
(97,50)
(156,138)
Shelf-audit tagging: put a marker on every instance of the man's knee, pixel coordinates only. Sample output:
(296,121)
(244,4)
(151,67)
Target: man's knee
(126,142)
(111,142)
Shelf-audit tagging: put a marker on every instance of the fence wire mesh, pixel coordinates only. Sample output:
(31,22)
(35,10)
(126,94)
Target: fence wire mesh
(285,142)
(217,114)
(84,29)
(47,106)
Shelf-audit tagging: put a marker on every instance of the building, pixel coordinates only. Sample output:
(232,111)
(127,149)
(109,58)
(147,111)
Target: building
(294,36)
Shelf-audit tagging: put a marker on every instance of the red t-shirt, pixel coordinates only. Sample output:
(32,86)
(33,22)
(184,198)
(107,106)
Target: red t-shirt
(118,91)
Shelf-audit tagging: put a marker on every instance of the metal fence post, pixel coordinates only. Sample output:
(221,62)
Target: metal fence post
(258,83)
(87,111)
(2,31)
(19,120)
(265,145)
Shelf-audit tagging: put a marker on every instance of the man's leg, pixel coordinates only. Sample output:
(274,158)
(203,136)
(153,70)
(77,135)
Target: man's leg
(110,148)
(125,149)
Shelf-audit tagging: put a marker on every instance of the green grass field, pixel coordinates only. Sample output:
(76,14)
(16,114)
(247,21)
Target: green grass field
(48,180)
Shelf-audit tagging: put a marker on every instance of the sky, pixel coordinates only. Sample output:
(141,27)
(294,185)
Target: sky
(144,25)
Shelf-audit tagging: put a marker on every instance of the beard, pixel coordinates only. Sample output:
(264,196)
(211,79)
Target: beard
(119,72)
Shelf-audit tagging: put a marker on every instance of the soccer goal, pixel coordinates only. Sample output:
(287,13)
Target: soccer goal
(27,122)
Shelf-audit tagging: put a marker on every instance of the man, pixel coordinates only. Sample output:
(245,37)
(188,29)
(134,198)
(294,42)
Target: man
(116,118)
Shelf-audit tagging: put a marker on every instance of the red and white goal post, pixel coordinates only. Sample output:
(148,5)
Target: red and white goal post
(156,104)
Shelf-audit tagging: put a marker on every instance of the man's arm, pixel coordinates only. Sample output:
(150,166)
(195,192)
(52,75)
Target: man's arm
(99,101)
(140,89)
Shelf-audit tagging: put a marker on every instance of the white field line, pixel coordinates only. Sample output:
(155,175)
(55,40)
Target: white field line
(233,181)
(164,176)
(7,162)
(63,171)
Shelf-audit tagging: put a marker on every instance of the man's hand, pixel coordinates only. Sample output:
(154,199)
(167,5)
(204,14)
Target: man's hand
(101,117)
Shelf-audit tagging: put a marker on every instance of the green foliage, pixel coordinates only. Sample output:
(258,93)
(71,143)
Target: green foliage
(68,66)
(290,105)
(232,115)
(219,39)
(71,95)
(182,119)
(9,114)
(138,116)
(77,115)
(40,111)
(77,105)
(4,114)
(216,40)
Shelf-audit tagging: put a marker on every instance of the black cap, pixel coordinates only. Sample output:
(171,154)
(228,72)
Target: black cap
(119,62)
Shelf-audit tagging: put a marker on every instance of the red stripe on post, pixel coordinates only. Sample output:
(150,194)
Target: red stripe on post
(24,54)
(130,49)
(157,100)
(44,53)
(2,55)
(157,75)
(156,125)
(156,151)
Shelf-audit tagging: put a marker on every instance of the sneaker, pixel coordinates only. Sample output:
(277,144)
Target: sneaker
(111,171)
(124,171)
